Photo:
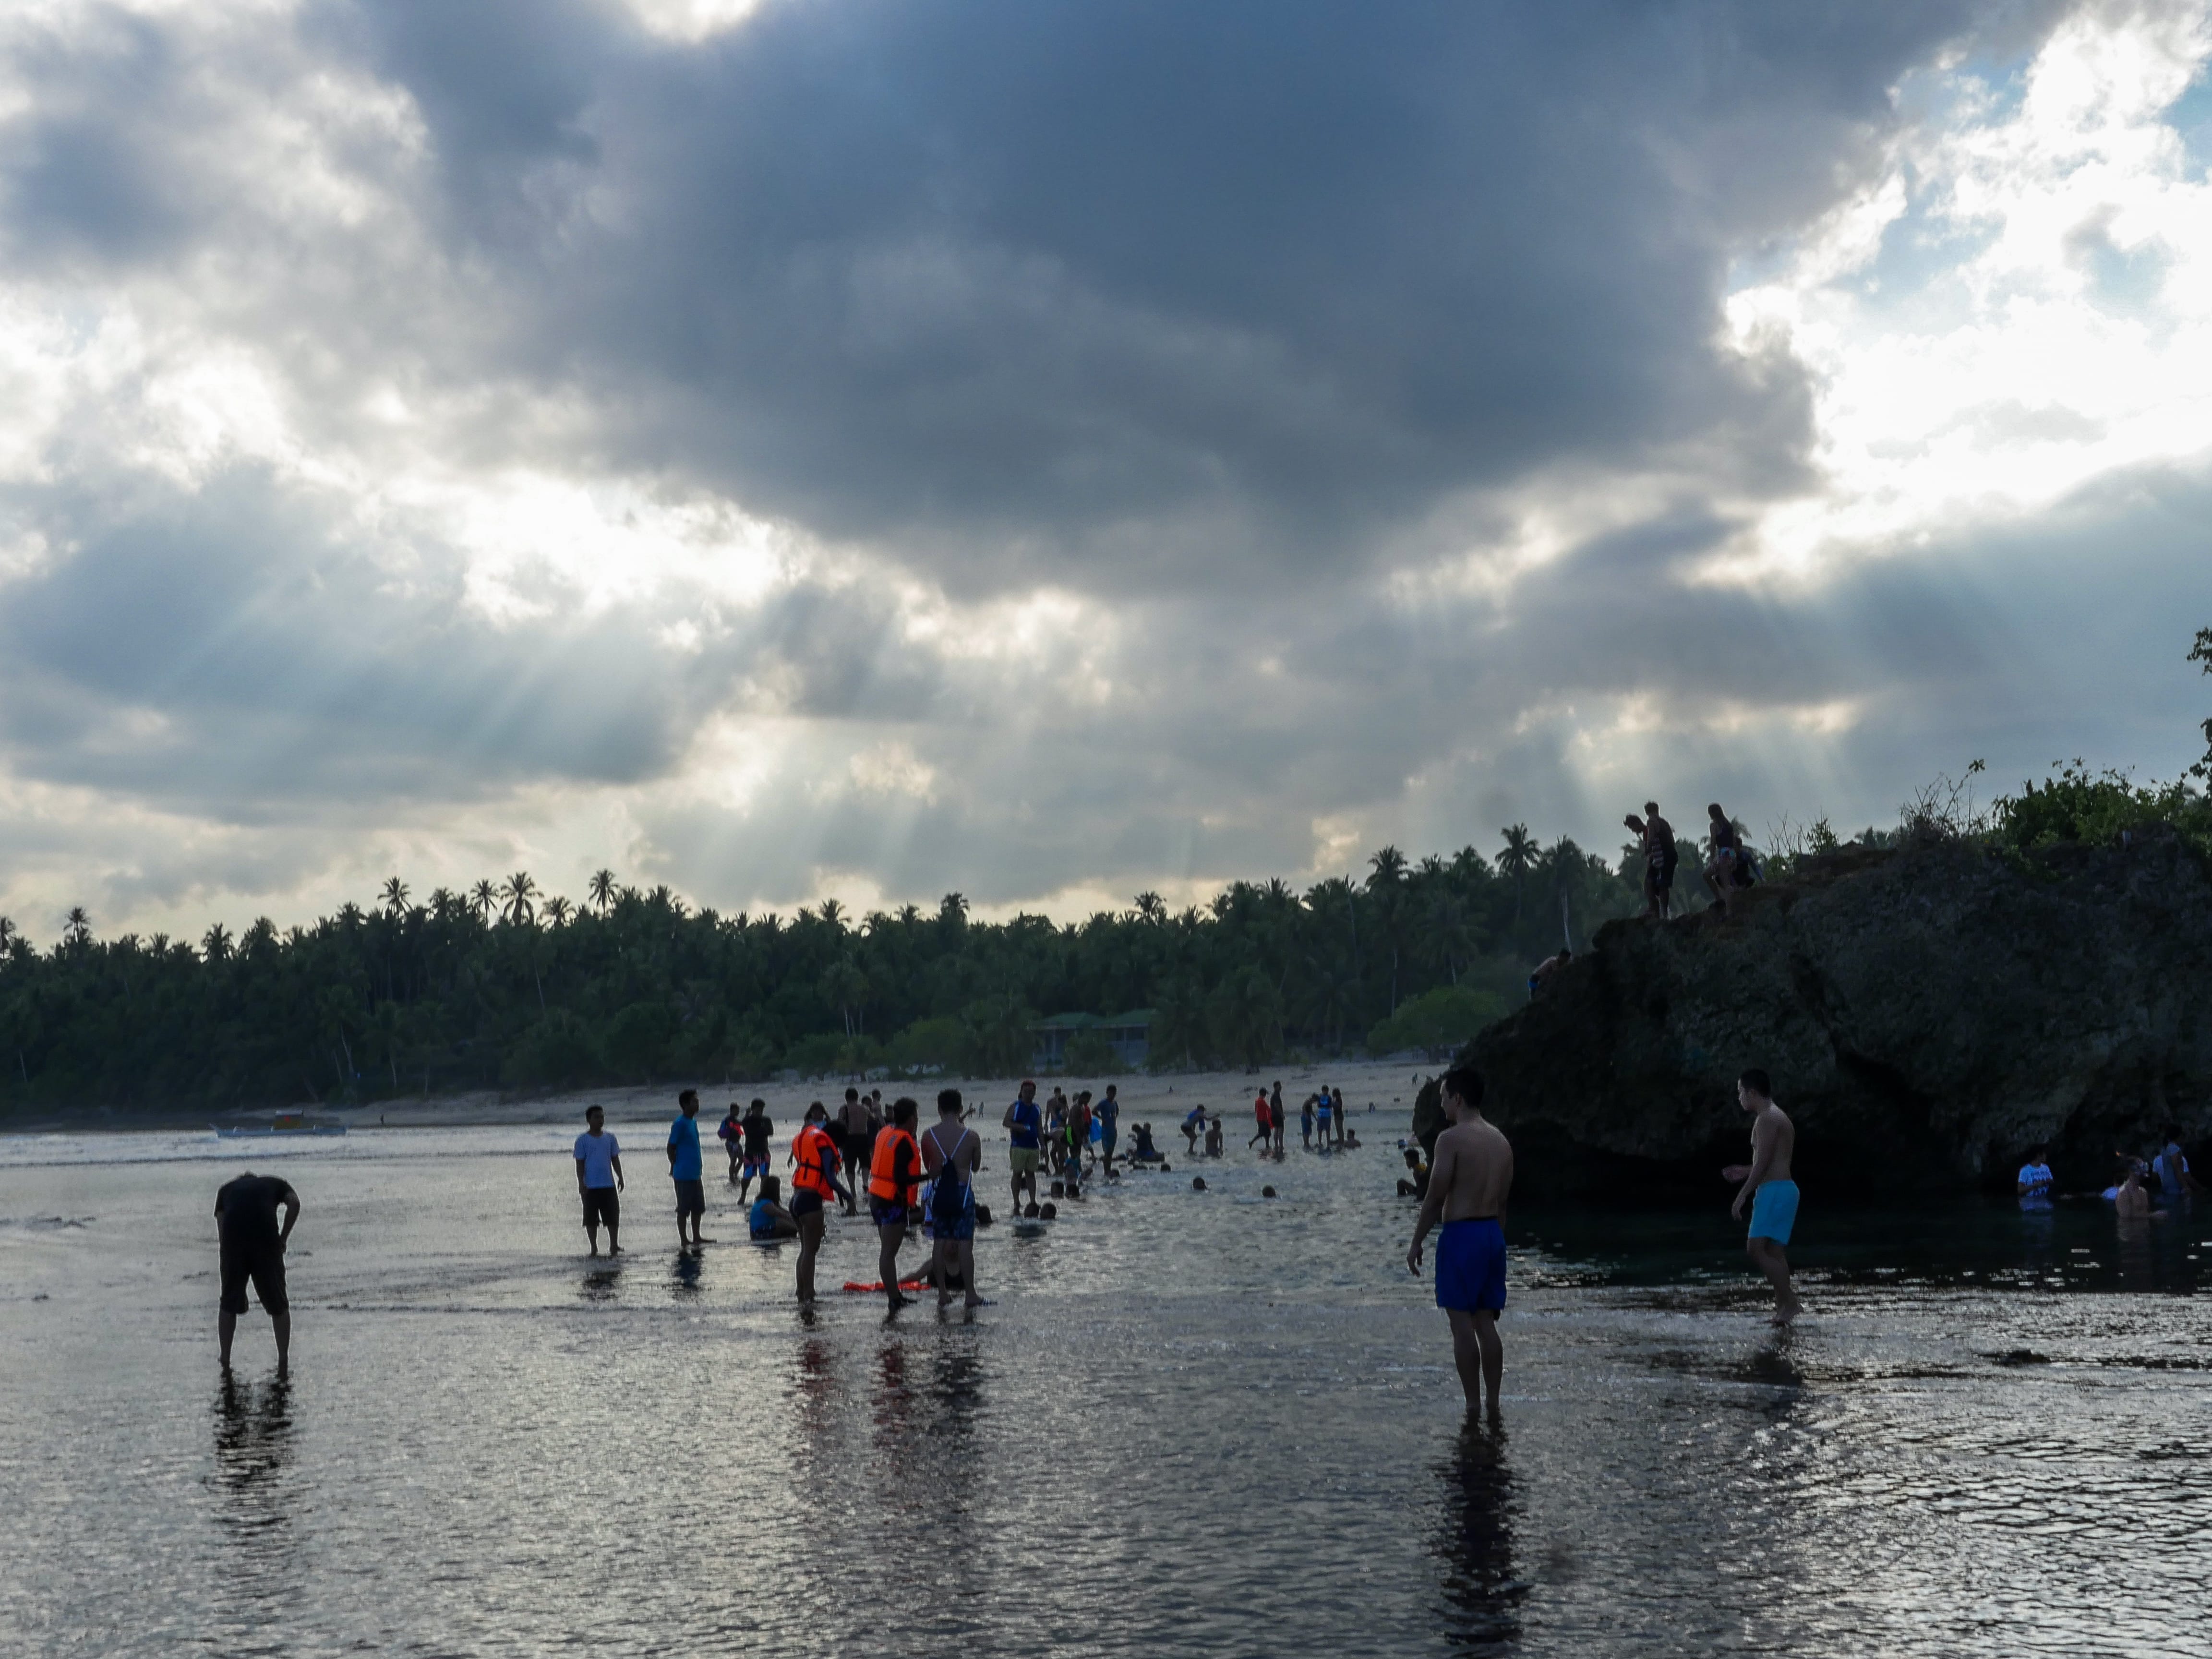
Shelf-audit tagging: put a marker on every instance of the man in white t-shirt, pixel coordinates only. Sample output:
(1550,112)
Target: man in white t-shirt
(599,1178)
(2033,1182)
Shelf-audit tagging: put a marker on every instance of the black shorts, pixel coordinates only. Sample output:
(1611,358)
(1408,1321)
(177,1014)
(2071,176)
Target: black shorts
(888,1213)
(263,1262)
(805,1203)
(600,1204)
(691,1198)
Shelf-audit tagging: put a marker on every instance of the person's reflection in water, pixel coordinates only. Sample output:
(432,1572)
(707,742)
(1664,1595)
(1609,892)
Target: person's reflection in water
(252,1454)
(2138,1267)
(1482,1597)
(683,1276)
(1772,1367)
(600,1283)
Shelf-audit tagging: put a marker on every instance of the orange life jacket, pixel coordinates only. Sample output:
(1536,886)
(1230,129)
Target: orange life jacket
(816,1155)
(883,1169)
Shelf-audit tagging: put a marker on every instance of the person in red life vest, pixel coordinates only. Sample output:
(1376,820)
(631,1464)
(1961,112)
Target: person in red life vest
(894,1189)
(813,1183)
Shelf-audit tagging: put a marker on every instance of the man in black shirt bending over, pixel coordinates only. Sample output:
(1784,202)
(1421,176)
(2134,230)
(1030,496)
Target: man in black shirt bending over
(253,1248)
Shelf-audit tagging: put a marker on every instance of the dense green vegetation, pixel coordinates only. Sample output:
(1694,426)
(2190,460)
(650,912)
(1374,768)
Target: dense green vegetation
(504,988)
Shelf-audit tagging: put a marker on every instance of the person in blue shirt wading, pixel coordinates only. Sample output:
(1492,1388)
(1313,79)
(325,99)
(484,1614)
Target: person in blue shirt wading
(686,1168)
(1024,1133)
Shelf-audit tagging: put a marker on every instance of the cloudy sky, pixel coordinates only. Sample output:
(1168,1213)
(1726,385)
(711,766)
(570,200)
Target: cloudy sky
(883,447)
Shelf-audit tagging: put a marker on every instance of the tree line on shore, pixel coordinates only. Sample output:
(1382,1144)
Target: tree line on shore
(503,987)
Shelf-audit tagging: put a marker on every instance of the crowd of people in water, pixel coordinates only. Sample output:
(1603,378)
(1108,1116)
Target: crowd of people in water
(2131,1192)
(920,1183)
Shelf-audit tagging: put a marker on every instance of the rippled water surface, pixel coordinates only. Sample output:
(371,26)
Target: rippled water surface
(1192,1423)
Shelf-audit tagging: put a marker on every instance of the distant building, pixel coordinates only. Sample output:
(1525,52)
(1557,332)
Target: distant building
(1129,1035)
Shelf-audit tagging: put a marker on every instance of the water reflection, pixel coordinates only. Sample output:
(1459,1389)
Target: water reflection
(253,1449)
(254,1453)
(600,1282)
(1481,1499)
(683,1276)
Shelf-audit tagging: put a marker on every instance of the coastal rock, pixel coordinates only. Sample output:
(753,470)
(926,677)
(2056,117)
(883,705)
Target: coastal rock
(1927,1013)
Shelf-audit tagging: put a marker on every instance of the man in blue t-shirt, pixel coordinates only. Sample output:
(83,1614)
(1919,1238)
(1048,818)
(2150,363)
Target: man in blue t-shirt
(1024,1123)
(687,1169)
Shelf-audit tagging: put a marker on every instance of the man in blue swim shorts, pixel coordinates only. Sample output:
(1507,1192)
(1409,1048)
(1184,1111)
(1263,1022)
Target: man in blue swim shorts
(1468,1182)
(1765,1181)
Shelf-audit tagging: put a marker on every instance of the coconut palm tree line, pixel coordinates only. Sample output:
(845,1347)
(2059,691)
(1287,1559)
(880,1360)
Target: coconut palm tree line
(501,986)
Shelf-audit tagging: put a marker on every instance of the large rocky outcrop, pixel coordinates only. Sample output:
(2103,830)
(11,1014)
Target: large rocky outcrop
(1926,1014)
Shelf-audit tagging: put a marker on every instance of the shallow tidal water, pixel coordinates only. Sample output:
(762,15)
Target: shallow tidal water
(1192,1423)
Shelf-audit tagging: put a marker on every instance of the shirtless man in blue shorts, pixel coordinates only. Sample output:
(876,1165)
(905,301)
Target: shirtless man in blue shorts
(1767,1184)
(1467,1186)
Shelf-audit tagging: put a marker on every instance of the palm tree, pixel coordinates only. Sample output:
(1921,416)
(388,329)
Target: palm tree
(601,892)
(845,985)
(79,928)
(483,899)
(833,916)
(395,896)
(520,892)
(1518,858)
(557,911)
(215,944)
(1389,868)
(1151,907)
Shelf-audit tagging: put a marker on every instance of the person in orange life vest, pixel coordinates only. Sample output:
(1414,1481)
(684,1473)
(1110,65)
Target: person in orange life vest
(813,1183)
(894,1186)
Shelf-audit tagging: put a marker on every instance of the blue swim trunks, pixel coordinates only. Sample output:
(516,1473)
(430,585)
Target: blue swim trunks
(1471,1266)
(1774,1211)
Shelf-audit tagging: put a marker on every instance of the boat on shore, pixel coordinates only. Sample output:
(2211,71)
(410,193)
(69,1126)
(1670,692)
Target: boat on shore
(289,1123)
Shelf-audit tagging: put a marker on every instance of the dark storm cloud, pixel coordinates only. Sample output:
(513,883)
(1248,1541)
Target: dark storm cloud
(2017,645)
(1136,295)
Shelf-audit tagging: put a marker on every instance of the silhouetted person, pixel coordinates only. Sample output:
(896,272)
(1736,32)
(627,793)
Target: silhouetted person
(252,1248)
(1468,1189)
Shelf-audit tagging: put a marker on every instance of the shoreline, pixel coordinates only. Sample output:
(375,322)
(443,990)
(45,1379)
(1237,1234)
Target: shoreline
(1168,1095)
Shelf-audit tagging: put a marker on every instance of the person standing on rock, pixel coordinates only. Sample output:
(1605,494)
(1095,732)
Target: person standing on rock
(1730,869)
(1766,1183)
(1665,855)
(1467,1188)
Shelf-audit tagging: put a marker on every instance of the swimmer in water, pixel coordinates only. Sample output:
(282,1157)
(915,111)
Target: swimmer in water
(1467,1192)
(2131,1199)
(2033,1184)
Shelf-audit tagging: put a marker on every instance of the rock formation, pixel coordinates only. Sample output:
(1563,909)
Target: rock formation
(1926,1013)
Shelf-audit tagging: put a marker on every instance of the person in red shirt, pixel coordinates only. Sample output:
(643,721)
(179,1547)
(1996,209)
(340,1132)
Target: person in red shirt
(1262,1135)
